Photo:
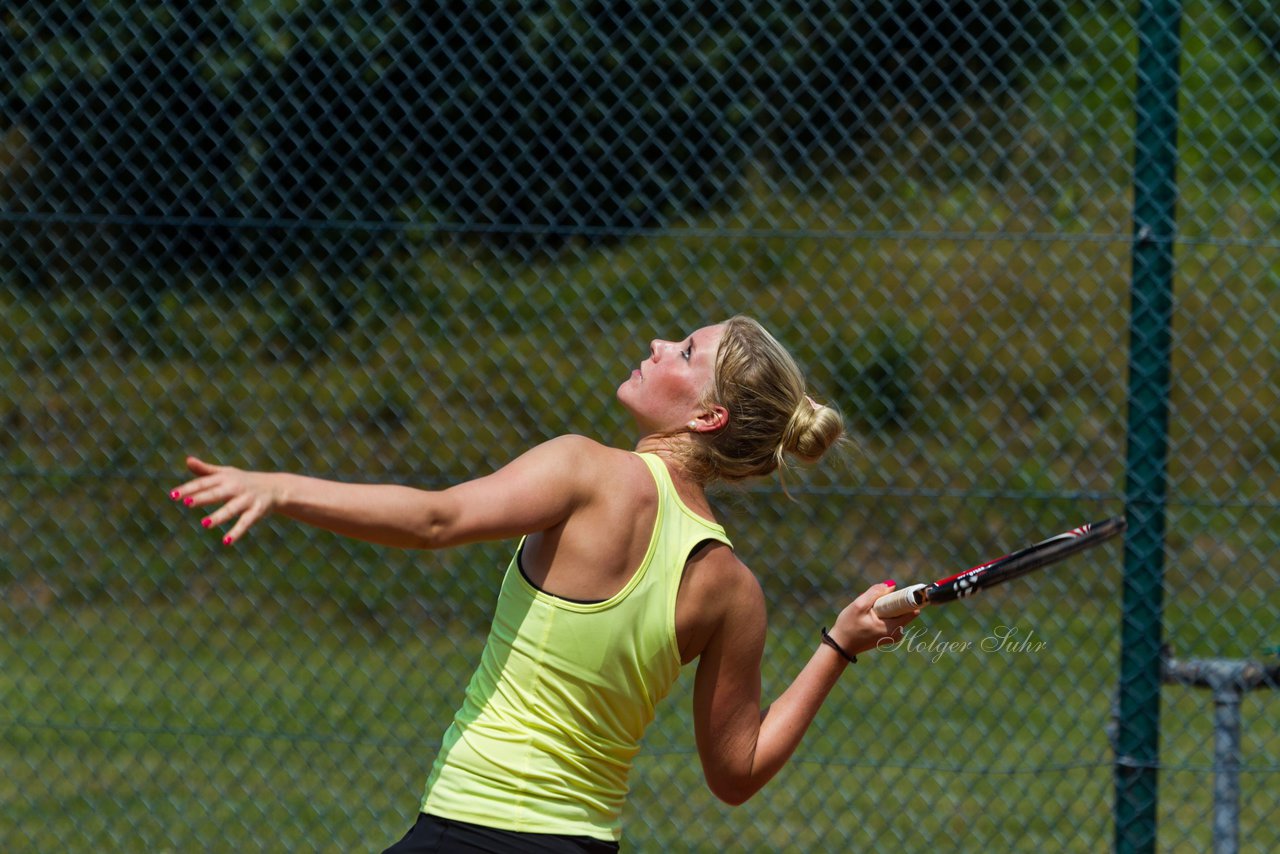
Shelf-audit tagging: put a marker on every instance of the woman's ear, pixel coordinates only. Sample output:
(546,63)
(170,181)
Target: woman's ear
(716,417)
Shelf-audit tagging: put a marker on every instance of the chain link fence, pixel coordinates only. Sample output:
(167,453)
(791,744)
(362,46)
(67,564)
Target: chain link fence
(399,242)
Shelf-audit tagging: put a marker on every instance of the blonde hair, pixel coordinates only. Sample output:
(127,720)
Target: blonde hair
(771,416)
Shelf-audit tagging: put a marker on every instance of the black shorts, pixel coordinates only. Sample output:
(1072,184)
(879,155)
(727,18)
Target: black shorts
(446,836)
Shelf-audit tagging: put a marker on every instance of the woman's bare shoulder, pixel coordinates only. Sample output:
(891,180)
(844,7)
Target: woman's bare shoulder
(718,561)
(719,595)
(599,468)
(589,453)
(715,575)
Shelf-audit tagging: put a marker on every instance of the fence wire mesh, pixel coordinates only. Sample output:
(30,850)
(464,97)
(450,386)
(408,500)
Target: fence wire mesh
(386,241)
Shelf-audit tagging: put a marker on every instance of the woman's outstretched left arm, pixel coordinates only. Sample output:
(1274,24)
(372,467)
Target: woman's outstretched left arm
(534,492)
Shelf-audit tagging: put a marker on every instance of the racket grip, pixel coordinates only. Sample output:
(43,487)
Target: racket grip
(900,602)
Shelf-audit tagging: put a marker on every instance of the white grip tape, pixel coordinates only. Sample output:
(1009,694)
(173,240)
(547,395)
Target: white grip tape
(899,602)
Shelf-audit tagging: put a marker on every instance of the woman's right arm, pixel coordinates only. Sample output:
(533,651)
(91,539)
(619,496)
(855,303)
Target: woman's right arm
(534,492)
(741,745)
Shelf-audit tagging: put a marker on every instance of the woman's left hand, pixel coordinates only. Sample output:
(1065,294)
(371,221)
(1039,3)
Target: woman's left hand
(245,496)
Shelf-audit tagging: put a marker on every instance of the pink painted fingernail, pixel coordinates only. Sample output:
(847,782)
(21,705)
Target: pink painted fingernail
(890,582)
(226,541)
(189,501)
(206,521)
(175,495)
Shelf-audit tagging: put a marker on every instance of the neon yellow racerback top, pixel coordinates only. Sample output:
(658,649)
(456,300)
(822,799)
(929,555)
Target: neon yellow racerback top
(554,714)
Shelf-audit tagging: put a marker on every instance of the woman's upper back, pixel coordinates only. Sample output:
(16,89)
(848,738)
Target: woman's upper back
(566,687)
(587,512)
(593,552)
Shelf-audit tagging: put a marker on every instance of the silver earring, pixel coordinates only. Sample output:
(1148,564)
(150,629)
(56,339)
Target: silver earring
(693,425)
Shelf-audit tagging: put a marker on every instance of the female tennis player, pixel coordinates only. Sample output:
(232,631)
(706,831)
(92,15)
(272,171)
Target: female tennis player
(622,575)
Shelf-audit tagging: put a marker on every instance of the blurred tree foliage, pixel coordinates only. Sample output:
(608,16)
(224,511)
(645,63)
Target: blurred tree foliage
(156,128)
(1260,18)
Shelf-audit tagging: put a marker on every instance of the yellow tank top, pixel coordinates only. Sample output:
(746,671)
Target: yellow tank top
(554,714)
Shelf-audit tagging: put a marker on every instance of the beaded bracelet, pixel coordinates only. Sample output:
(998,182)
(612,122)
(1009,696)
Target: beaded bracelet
(830,641)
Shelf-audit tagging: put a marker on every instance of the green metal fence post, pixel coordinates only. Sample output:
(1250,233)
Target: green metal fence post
(1155,204)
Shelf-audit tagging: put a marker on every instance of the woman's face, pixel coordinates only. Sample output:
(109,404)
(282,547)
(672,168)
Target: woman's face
(664,394)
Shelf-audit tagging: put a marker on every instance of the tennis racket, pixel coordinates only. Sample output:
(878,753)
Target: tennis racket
(998,571)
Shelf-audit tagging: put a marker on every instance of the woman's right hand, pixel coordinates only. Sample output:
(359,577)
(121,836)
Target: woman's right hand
(858,629)
(244,494)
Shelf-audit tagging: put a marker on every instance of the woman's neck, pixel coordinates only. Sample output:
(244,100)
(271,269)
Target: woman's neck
(691,491)
(665,445)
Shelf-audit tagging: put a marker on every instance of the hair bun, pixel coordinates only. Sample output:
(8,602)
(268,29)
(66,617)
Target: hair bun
(813,429)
